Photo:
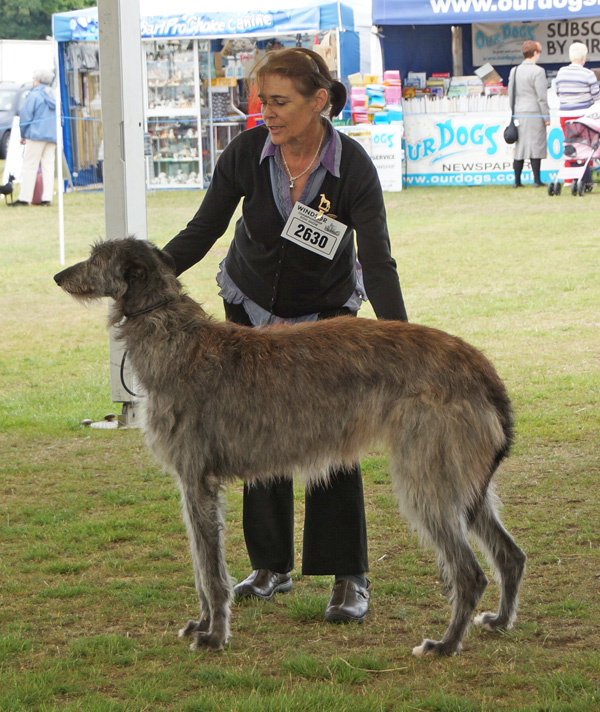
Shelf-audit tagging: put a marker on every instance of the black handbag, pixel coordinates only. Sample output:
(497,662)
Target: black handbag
(511,132)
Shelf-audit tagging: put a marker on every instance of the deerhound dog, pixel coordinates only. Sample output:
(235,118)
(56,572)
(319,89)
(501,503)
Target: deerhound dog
(226,401)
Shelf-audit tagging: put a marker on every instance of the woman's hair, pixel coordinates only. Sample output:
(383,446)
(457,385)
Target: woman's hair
(577,51)
(530,47)
(44,76)
(307,70)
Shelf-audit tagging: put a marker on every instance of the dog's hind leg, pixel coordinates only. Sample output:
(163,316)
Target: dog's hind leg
(464,577)
(507,559)
(205,525)
(432,479)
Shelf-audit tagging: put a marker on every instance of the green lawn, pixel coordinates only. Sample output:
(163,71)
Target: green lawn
(95,573)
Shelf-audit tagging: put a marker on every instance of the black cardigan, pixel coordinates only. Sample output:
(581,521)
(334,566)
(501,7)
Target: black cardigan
(282,277)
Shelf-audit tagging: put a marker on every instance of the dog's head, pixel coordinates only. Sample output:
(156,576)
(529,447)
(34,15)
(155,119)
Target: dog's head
(133,272)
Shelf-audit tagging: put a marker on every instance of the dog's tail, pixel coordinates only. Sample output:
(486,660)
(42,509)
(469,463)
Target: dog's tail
(499,399)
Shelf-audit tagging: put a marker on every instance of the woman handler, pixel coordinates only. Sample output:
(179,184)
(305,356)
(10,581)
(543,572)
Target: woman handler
(307,191)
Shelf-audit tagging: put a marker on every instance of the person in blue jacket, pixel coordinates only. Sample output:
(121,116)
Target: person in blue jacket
(38,135)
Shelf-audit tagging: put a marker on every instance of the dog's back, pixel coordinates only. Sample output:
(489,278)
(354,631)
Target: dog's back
(348,384)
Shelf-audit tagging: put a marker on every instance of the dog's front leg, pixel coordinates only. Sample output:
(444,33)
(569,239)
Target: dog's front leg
(205,525)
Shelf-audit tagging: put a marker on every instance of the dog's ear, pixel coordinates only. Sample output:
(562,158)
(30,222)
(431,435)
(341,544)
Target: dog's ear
(168,260)
(135,272)
(144,261)
(138,261)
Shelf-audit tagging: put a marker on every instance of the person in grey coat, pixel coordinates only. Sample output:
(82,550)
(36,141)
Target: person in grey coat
(531,111)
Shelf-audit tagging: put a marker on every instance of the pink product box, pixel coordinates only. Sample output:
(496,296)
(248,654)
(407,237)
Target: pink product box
(360,117)
(393,95)
(392,75)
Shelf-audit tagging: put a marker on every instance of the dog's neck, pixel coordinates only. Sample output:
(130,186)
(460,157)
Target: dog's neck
(152,307)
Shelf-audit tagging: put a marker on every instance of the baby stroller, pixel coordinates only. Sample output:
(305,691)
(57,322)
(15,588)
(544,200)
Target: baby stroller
(582,144)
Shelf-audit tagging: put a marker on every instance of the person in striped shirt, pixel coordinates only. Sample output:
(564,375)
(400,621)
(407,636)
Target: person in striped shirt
(577,89)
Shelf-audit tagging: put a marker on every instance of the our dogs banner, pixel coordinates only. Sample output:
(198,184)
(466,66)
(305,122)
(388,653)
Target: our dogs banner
(500,43)
(468,149)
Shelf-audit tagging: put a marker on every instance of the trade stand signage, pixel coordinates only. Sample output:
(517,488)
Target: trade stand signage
(383,142)
(468,149)
(461,12)
(500,43)
(225,24)
(83,25)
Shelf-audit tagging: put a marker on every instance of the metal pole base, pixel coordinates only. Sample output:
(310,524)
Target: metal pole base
(130,416)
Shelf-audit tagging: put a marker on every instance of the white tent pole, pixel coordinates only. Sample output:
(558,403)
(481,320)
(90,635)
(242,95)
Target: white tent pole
(59,161)
(122,104)
(339,42)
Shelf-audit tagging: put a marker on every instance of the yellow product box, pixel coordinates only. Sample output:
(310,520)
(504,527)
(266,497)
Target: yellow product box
(223,82)
(355,80)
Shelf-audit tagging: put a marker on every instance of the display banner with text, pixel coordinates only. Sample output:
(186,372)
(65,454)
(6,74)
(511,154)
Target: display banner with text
(500,43)
(383,142)
(468,149)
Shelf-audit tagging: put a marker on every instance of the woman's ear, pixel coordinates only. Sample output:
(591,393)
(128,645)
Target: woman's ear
(321,99)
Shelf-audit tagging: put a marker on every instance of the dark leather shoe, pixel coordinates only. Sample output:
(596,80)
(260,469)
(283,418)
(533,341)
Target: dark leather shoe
(19,202)
(539,185)
(348,602)
(517,185)
(264,584)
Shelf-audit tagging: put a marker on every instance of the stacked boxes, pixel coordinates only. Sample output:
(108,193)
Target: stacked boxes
(358,104)
(372,101)
(393,86)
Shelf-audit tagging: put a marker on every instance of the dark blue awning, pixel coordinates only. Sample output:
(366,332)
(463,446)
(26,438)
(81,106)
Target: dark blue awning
(463,12)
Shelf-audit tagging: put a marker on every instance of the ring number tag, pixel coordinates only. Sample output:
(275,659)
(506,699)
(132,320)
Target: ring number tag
(314,231)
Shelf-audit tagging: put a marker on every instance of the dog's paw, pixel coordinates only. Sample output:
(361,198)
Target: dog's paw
(433,647)
(491,622)
(203,638)
(208,641)
(194,627)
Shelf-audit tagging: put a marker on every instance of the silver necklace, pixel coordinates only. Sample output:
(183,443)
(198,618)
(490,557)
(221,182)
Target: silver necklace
(293,179)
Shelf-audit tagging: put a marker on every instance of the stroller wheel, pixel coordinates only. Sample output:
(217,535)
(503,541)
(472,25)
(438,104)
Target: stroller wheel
(589,187)
(550,189)
(574,187)
(558,188)
(581,188)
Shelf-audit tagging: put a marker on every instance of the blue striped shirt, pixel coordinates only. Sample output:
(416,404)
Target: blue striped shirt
(577,89)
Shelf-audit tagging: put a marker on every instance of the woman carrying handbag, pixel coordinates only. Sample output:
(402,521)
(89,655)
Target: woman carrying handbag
(528,87)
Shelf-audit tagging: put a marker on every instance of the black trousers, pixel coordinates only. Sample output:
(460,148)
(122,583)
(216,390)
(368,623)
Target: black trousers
(335,529)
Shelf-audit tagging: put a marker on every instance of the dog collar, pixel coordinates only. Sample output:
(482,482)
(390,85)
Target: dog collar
(148,309)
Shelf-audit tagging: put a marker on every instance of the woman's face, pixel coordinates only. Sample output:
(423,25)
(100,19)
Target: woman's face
(289,116)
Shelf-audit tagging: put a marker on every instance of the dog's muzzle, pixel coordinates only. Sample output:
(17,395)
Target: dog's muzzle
(59,276)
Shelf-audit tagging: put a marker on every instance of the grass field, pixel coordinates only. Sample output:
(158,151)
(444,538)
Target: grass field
(95,573)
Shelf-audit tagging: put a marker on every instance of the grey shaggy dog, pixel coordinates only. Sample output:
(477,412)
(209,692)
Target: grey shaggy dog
(226,401)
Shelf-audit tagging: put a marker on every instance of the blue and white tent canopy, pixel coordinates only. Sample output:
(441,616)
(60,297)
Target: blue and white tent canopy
(182,18)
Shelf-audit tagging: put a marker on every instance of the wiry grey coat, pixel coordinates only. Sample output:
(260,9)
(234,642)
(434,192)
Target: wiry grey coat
(227,401)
